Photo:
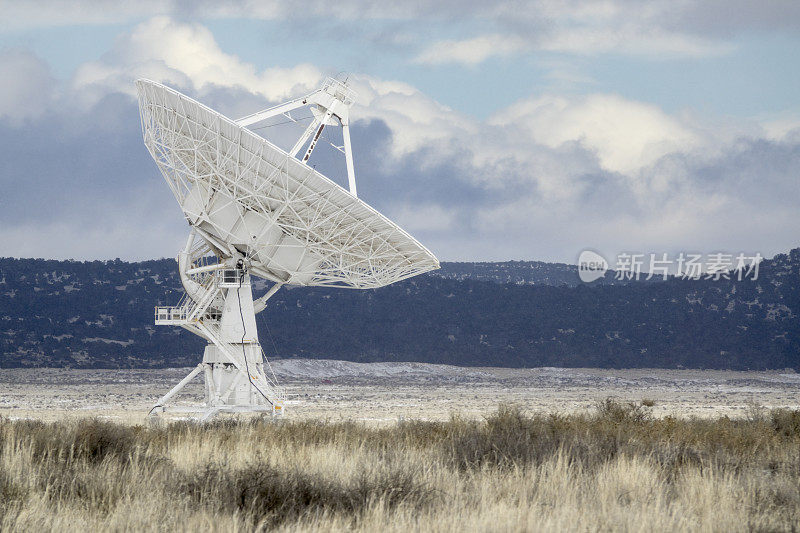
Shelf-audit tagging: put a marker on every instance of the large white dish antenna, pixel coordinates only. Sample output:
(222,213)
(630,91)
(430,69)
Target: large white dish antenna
(247,196)
(256,209)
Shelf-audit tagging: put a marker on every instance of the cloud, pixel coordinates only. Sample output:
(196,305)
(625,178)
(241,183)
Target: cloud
(185,55)
(471,51)
(417,121)
(27,87)
(738,202)
(729,17)
(655,28)
(125,237)
(550,175)
(611,26)
(782,128)
(626,135)
(541,179)
(644,39)
(430,218)
(52,13)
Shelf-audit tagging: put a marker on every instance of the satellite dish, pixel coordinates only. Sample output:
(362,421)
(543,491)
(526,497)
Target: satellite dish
(255,209)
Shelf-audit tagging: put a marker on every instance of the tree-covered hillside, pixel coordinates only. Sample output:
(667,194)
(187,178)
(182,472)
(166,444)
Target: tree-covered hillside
(100,314)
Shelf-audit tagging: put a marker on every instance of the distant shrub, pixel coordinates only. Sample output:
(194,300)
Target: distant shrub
(507,438)
(755,412)
(270,495)
(96,439)
(786,422)
(617,412)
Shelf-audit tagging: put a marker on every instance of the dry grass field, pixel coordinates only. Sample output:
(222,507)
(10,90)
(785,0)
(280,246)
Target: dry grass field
(407,447)
(615,467)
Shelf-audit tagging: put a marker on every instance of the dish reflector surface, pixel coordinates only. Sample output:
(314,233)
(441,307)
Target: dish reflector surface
(248,196)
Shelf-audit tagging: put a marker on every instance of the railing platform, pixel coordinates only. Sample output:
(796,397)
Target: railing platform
(172,316)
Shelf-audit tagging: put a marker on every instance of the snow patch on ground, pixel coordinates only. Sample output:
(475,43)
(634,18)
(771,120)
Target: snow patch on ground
(327,368)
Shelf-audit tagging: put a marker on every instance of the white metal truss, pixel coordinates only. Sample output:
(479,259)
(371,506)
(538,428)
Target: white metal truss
(248,197)
(332,101)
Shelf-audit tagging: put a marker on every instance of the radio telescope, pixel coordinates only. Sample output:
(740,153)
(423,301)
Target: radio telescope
(256,210)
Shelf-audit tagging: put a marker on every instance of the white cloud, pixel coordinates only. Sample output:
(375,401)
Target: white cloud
(416,120)
(626,135)
(780,128)
(583,28)
(471,51)
(644,39)
(651,27)
(185,55)
(540,179)
(620,26)
(27,87)
(426,217)
(188,56)
(125,237)
(49,13)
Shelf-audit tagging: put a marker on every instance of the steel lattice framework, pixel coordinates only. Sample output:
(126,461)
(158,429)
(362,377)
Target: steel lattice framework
(247,197)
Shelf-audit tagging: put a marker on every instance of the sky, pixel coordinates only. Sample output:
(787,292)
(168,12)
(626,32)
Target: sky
(489,130)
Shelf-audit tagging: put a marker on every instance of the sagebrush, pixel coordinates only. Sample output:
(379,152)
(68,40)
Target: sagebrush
(617,468)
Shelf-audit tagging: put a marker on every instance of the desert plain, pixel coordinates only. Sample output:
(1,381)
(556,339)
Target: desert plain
(380,393)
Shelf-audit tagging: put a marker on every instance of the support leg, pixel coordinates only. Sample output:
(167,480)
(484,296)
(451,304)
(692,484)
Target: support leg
(209,413)
(164,399)
(209,385)
(231,388)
